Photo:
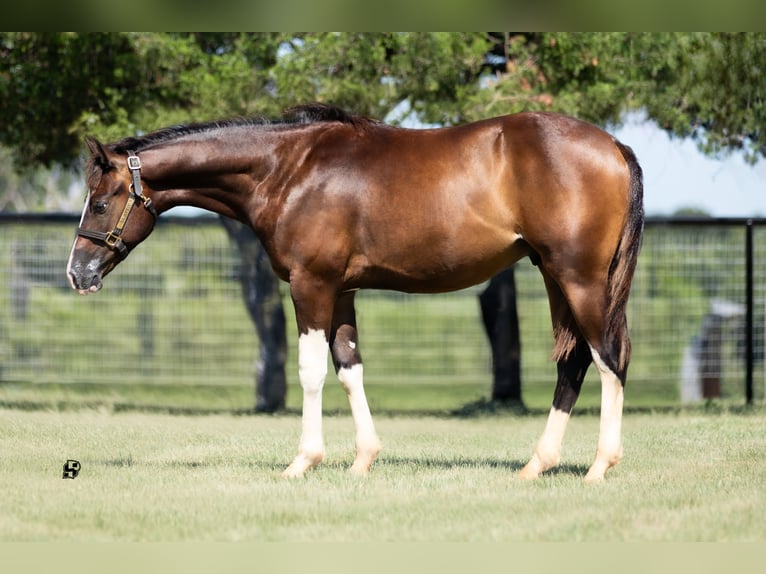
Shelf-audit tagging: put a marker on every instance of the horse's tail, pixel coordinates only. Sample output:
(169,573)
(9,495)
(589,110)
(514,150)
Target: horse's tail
(623,262)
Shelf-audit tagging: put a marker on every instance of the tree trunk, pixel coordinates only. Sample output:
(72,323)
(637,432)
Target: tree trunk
(260,291)
(501,323)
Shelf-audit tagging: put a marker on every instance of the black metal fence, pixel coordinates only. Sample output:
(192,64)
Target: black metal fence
(172,314)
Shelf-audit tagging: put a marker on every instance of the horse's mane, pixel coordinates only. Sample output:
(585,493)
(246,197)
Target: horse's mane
(299,115)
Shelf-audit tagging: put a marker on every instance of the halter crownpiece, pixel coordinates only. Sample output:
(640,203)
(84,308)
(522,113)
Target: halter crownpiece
(113,239)
(134,165)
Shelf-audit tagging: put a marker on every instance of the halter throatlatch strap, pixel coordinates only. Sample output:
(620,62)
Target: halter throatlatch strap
(113,239)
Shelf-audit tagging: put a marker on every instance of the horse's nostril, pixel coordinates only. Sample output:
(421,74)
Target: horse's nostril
(73,274)
(81,281)
(77,281)
(85,284)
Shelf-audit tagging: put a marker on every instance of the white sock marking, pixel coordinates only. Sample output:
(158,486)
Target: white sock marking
(548,450)
(609,449)
(367,442)
(312,370)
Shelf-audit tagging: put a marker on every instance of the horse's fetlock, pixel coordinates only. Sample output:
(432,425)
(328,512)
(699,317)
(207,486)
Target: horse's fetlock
(313,456)
(369,447)
(548,456)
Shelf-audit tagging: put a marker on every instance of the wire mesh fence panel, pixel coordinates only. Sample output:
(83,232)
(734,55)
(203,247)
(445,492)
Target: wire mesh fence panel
(173,314)
(687,310)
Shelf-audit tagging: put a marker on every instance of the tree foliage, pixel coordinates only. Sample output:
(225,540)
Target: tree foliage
(57,87)
(705,86)
(716,93)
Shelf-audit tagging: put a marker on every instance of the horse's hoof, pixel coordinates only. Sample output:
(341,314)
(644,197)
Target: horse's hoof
(595,476)
(360,468)
(528,473)
(301,464)
(291,472)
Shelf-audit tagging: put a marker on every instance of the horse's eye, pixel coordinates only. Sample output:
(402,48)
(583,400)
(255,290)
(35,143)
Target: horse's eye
(98,206)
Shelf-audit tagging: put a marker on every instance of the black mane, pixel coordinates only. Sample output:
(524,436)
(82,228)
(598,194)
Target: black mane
(299,115)
(316,112)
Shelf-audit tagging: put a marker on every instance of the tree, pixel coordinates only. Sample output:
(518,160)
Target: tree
(57,87)
(705,86)
(715,93)
(48,80)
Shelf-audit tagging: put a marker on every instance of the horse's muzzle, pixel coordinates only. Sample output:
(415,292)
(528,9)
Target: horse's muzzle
(84,279)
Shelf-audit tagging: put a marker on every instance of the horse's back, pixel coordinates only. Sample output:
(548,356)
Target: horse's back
(441,209)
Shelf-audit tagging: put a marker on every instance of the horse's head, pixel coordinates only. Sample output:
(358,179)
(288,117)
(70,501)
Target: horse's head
(117,216)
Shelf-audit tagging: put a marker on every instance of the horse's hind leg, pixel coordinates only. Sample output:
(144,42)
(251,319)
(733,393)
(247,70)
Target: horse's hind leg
(609,451)
(607,342)
(344,346)
(571,367)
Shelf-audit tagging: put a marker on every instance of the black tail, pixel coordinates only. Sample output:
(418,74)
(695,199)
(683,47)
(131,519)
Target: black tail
(624,262)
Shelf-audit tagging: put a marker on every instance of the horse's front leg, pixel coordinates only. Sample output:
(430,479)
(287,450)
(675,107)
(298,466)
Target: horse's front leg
(313,311)
(344,345)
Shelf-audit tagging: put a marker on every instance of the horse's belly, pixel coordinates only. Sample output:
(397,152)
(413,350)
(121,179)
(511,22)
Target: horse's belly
(427,270)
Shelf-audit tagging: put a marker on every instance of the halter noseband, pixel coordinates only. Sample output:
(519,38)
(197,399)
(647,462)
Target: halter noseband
(113,239)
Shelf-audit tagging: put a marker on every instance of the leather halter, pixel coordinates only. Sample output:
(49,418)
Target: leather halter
(112,239)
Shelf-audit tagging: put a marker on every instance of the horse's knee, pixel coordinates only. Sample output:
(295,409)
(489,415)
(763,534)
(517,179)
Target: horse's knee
(351,378)
(344,348)
(312,360)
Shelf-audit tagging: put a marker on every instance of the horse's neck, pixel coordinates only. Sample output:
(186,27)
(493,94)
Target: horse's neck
(217,177)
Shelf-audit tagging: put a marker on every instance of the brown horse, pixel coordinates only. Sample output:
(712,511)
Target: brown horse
(343,203)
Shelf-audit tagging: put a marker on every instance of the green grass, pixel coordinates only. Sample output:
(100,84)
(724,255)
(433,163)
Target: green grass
(386,398)
(686,476)
(201,399)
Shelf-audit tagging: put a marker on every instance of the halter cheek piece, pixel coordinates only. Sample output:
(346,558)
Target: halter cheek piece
(113,239)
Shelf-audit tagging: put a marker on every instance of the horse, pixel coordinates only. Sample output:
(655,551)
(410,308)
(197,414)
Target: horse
(343,202)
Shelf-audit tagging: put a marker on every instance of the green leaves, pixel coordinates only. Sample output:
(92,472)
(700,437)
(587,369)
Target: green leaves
(57,87)
(716,95)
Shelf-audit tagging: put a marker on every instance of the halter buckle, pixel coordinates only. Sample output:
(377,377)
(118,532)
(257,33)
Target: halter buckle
(134,162)
(112,240)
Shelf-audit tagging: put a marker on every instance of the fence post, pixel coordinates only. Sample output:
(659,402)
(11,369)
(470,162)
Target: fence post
(749,343)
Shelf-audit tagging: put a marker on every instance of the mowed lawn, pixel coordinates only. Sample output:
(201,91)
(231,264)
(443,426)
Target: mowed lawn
(687,476)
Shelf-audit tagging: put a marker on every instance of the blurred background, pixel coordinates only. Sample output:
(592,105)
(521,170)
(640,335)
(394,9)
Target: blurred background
(174,327)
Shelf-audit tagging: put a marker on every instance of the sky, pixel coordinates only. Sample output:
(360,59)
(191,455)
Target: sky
(677,175)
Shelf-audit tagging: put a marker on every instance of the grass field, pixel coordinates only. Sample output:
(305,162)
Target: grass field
(688,475)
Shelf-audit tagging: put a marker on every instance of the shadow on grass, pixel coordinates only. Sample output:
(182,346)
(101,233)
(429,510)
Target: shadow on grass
(476,409)
(512,466)
(128,462)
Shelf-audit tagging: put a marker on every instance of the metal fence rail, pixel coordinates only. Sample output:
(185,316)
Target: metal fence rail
(173,314)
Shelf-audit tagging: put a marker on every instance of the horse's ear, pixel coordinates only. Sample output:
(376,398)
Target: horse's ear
(98,153)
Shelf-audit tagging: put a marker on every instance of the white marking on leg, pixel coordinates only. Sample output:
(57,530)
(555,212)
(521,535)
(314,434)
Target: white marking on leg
(367,442)
(548,450)
(312,370)
(609,451)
